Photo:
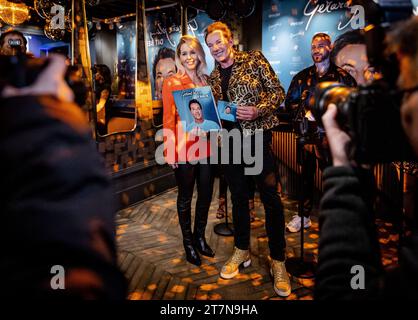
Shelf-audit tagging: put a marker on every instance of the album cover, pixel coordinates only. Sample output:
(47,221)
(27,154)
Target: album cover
(197,110)
(227,111)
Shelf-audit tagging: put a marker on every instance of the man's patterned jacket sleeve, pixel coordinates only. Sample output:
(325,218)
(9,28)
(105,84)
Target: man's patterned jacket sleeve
(273,94)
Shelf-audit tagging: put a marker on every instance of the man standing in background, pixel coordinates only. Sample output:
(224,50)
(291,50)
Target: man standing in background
(300,91)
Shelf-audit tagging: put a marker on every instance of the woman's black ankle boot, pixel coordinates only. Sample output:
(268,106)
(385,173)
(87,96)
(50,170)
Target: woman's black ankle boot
(191,254)
(202,246)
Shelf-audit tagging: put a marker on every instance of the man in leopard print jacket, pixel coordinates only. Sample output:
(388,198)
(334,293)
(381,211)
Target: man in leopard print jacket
(248,80)
(252,82)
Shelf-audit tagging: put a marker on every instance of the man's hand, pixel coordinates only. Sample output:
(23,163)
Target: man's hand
(337,139)
(248,113)
(49,82)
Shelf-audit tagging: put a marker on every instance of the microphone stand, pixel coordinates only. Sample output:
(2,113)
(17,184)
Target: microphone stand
(301,267)
(224,228)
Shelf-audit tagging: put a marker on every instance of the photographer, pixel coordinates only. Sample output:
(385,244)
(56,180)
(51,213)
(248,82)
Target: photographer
(57,208)
(350,53)
(13,43)
(348,237)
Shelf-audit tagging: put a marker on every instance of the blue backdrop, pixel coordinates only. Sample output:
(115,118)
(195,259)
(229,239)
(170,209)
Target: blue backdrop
(288,27)
(126,49)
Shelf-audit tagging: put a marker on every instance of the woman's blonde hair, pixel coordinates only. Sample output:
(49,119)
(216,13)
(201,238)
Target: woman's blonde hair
(194,43)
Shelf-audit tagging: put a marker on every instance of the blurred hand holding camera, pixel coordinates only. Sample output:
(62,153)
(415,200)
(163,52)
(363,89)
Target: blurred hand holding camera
(337,138)
(49,82)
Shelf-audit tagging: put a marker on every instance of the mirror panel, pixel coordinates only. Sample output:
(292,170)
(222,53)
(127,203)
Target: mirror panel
(114,57)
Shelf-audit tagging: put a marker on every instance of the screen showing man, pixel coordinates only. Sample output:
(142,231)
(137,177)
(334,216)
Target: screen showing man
(164,67)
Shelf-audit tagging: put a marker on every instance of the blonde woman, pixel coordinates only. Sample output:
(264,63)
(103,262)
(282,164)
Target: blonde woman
(191,66)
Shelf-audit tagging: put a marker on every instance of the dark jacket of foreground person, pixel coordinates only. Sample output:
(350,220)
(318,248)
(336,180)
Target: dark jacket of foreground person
(56,205)
(348,238)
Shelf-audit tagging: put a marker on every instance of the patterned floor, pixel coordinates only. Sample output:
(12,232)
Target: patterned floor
(152,257)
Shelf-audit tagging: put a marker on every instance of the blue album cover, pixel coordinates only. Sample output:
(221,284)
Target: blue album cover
(227,111)
(197,110)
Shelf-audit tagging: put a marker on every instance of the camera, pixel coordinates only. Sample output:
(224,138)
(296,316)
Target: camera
(306,130)
(371,114)
(17,46)
(20,71)
(15,43)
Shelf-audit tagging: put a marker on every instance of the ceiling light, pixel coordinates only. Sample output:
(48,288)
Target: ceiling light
(13,13)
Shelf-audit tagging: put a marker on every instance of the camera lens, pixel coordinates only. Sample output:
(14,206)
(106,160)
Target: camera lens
(327,93)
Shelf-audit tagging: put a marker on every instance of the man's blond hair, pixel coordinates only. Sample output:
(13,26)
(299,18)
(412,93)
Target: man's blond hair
(218,26)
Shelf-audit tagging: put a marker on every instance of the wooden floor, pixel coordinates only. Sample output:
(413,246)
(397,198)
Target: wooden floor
(152,257)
